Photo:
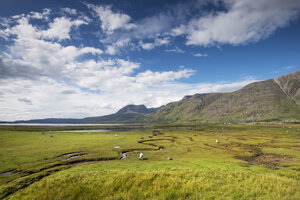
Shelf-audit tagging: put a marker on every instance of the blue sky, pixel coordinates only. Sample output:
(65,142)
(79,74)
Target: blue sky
(77,59)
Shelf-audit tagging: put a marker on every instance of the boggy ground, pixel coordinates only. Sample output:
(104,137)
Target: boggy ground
(247,162)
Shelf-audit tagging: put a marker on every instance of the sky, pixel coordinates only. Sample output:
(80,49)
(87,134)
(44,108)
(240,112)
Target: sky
(75,59)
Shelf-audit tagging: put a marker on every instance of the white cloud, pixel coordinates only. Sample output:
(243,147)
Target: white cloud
(147,46)
(50,58)
(233,22)
(60,28)
(243,21)
(200,54)
(110,20)
(157,42)
(175,50)
(115,47)
(37,15)
(220,87)
(70,11)
(152,26)
(111,50)
(179,30)
(148,77)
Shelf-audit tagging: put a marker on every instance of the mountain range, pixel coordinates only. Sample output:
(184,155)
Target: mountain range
(129,112)
(273,99)
(270,100)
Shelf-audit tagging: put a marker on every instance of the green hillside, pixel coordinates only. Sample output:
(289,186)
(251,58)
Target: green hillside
(274,99)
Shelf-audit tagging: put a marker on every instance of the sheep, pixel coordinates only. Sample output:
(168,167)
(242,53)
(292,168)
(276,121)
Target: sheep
(123,156)
(141,156)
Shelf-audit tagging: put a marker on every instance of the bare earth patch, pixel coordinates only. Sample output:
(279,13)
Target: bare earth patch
(270,161)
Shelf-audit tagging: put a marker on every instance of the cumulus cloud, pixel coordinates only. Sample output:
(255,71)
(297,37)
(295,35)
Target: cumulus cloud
(110,20)
(60,28)
(37,15)
(157,42)
(70,11)
(149,77)
(200,54)
(232,22)
(241,22)
(26,101)
(12,70)
(68,92)
(175,50)
(51,58)
(147,33)
(114,48)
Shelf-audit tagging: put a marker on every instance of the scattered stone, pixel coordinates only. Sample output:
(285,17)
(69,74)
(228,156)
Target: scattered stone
(169,158)
(116,147)
(155,133)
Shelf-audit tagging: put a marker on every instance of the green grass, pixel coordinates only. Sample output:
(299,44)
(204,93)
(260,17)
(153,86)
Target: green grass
(200,169)
(202,183)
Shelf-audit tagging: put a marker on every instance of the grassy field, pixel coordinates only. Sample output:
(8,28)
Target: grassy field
(251,161)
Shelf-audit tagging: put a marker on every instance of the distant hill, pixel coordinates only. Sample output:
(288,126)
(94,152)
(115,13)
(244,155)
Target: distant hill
(129,112)
(140,109)
(274,99)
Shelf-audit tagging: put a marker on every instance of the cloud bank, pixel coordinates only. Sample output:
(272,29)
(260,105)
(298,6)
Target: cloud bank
(47,69)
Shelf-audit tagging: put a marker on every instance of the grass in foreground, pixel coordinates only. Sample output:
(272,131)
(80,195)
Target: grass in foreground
(248,162)
(89,183)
